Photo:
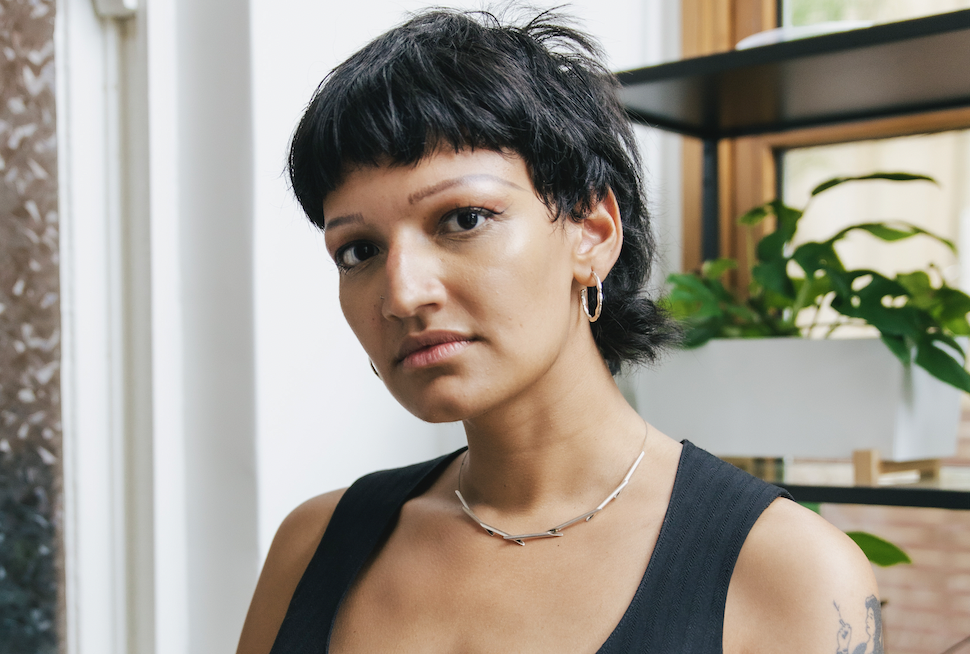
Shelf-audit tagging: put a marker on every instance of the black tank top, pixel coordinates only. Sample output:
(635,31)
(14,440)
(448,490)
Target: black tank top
(678,607)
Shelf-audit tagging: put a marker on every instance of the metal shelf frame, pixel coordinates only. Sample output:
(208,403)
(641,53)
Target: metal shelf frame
(935,498)
(895,69)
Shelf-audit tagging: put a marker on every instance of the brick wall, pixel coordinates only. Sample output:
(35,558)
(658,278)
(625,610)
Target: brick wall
(928,602)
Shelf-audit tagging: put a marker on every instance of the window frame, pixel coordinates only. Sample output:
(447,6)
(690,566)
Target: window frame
(747,166)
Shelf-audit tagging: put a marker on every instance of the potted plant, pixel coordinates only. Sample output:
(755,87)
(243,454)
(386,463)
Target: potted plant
(749,383)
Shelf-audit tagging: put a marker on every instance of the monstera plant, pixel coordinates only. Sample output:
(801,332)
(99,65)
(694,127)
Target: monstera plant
(919,317)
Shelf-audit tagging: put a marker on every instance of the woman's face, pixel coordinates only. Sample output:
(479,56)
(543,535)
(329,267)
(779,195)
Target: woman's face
(455,279)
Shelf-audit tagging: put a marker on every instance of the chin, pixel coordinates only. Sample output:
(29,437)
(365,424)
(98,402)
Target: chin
(437,402)
(437,411)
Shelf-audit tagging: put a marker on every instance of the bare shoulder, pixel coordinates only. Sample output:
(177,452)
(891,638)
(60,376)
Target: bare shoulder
(293,546)
(800,584)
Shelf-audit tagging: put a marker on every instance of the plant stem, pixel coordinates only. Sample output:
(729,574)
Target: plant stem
(818,309)
(835,325)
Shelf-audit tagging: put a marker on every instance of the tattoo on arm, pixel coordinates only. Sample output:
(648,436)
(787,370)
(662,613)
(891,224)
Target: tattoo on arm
(868,637)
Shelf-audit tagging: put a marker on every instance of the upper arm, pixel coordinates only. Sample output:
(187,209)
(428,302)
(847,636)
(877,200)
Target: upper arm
(293,546)
(800,584)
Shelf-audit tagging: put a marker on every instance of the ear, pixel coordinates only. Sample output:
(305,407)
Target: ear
(600,240)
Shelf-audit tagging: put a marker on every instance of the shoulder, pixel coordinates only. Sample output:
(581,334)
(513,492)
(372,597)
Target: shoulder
(800,584)
(293,546)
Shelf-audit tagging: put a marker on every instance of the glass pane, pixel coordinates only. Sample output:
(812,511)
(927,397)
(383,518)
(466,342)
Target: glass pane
(31,556)
(809,12)
(942,208)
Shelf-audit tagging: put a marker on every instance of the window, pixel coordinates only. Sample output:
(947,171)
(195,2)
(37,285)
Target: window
(809,12)
(918,617)
(943,209)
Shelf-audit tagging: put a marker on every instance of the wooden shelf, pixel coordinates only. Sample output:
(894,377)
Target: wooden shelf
(907,67)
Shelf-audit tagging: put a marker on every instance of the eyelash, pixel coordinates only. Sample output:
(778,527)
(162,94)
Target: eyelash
(486,215)
(343,250)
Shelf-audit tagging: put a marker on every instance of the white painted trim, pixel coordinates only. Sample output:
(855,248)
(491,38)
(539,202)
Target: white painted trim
(106,322)
(95,551)
(172,597)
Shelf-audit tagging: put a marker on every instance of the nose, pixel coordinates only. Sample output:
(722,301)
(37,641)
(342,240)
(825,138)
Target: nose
(413,280)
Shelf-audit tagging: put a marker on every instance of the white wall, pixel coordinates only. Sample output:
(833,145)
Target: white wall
(323,418)
(210,382)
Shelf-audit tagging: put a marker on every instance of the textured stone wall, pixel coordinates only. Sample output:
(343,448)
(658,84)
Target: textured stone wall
(30,414)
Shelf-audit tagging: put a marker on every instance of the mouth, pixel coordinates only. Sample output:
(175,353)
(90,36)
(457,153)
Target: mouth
(429,348)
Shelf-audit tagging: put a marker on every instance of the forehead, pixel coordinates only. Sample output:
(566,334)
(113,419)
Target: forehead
(434,174)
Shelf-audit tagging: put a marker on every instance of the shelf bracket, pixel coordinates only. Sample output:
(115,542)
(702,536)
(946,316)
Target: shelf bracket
(710,209)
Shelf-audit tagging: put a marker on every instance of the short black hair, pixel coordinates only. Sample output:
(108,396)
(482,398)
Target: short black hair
(460,79)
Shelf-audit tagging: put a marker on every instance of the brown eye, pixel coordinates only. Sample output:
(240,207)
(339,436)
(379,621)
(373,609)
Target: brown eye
(353,254)
(465,220)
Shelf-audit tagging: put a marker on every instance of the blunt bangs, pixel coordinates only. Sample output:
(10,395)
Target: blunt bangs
(455,80)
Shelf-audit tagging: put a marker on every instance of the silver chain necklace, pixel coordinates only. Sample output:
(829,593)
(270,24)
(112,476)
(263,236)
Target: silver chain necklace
(556,531)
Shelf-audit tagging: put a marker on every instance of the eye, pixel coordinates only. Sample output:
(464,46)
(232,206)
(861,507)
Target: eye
(465,219)
(354,254)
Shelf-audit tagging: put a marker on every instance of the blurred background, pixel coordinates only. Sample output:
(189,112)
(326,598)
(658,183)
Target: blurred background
(175,372)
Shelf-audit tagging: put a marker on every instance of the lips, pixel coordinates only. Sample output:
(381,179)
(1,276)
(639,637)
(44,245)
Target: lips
(428,348)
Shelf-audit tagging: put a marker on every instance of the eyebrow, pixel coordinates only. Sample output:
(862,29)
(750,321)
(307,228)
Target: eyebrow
(342,220)
(427,192)
(465,180)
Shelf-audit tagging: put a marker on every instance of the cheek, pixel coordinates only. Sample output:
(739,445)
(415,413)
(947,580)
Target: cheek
(525,283)
(362,316)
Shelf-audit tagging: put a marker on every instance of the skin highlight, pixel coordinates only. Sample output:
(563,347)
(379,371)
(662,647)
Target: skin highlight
(467,281)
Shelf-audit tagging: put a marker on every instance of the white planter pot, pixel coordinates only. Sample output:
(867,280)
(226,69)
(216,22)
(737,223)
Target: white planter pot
(778,397)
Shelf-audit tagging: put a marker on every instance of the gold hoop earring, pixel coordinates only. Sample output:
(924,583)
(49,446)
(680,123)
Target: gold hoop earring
(374,370)
(584,301)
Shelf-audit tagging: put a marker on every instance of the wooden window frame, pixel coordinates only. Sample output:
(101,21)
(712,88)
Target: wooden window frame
(747,168)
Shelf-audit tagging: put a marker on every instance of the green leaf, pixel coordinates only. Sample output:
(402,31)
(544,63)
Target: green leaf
(812,256)
(950,342)
(695,336)
(893,177)
(743,313)
(957,326)
(892,231)
(774,277)
(898,346)
(866,303)
(772,246)
(691,297)
(916,283)
(879,551)
(714,269)
(941,364)
(813,506)
(953,303)
(755,216)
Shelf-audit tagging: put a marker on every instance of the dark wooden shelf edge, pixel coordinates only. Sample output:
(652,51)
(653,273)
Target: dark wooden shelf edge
(881,495)
(685,129)
(809,82)
(824,44)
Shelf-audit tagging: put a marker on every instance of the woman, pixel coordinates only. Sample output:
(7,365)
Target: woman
(479,190)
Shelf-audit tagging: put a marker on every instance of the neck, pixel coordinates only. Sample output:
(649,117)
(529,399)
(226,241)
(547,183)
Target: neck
(562,447)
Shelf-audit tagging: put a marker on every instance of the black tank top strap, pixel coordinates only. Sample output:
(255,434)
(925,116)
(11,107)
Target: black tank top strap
(679,606)
(363,517)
